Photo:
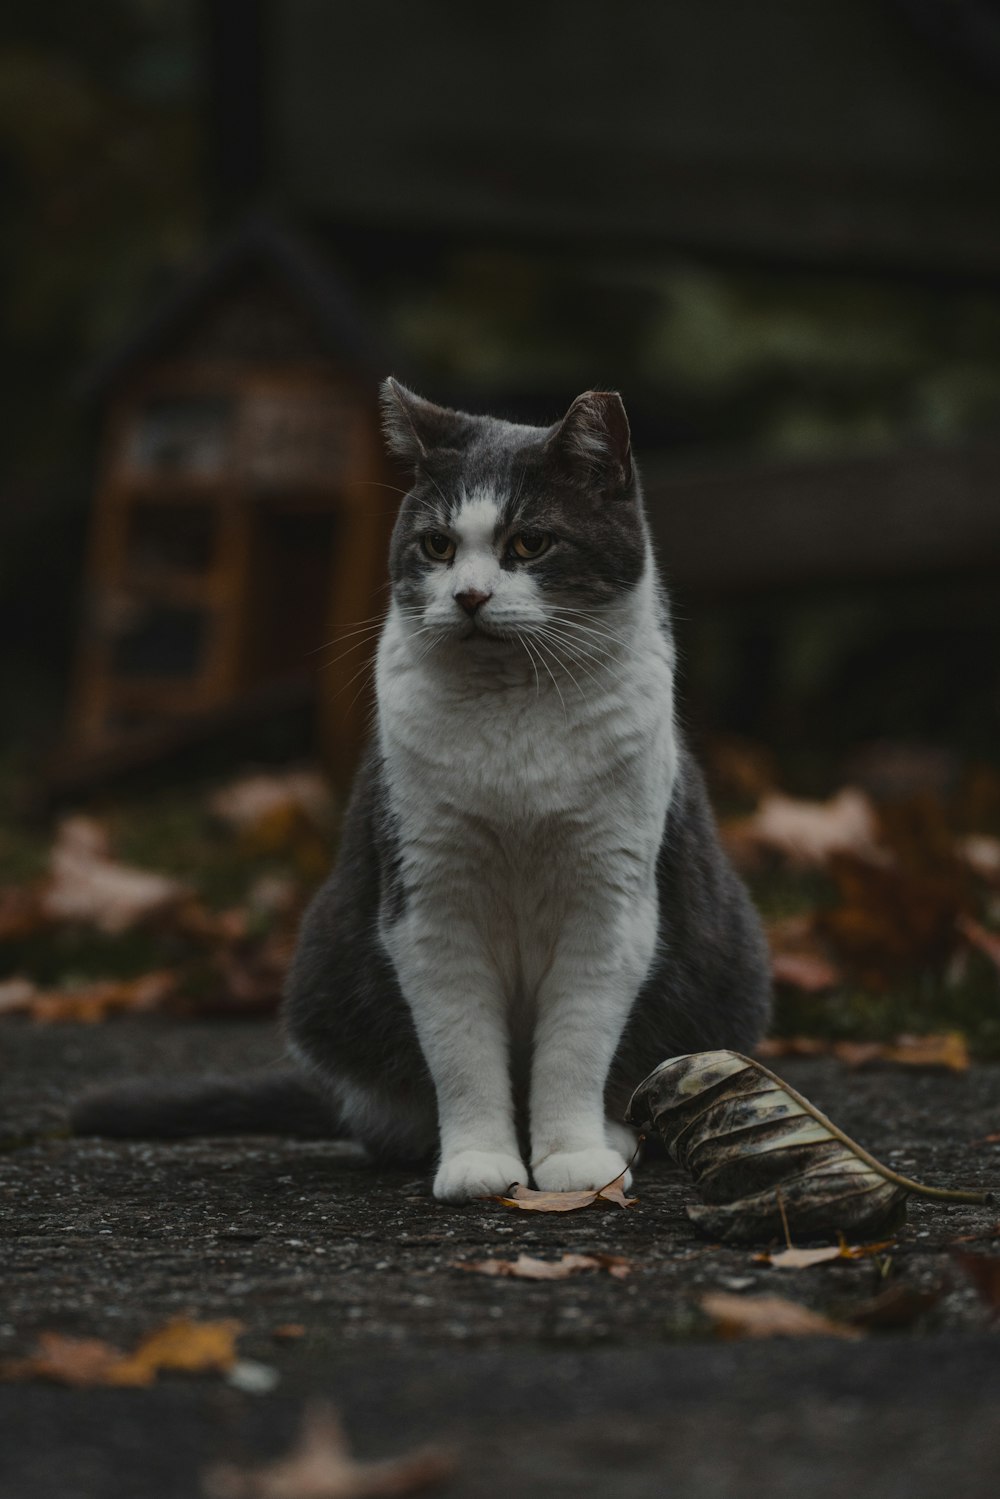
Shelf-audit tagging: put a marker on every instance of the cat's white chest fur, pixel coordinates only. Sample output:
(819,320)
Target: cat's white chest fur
(524,809)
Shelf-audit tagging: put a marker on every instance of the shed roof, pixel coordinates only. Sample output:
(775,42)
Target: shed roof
(258,242)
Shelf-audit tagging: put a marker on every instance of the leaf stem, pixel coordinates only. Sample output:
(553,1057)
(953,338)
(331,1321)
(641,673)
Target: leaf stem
(937,1194)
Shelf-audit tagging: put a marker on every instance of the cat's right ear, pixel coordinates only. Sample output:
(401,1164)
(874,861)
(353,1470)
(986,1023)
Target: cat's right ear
(415,429)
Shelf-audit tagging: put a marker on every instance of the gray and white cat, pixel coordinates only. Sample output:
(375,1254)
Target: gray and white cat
(530,908)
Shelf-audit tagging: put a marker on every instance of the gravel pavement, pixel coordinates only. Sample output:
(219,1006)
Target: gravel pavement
(588,1386)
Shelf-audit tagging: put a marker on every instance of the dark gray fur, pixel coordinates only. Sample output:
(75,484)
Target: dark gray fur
(344,1012)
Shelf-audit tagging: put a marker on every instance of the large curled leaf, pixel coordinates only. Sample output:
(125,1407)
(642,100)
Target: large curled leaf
(763,1158)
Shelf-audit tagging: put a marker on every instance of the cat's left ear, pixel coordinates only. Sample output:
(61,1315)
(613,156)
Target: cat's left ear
(593,439)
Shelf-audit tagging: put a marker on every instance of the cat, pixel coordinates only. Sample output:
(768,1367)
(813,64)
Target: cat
(531,907)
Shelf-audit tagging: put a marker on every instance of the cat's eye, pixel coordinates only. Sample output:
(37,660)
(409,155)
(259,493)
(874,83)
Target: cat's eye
(529,544)
(438,546)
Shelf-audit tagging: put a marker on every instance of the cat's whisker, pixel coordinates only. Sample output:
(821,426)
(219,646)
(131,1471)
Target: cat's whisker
(548,668)
(531,658)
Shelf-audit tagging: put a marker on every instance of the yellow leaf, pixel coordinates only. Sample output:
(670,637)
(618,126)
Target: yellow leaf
(769,1317)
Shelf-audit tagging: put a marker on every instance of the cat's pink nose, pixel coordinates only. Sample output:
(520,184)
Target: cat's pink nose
(470,599)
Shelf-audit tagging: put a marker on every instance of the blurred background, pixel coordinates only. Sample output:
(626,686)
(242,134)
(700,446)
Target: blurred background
(774,228)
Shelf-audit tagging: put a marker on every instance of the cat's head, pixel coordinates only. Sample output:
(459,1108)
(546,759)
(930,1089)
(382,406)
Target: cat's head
(509,530)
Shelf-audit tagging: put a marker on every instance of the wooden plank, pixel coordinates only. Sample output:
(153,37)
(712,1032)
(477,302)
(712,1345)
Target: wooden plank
(751,526)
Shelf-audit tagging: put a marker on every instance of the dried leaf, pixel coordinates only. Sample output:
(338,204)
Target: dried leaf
(765,1160)
(810,833)
(893,918)
(769,1317)
(792,1046)
(896,1306)
(87,885)
(530,1201)
(71,1361)
(944,1053)
(252,802)
(185,1346)
(948,1052)
(21,913)
(984,1272)
(527,1267)
(802,1259)
(980,938)
(16,995)
(982,854)
(92,1003)
(320,1467)
(809,972)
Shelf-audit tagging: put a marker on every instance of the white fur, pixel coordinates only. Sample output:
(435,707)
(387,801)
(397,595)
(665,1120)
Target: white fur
(530,809)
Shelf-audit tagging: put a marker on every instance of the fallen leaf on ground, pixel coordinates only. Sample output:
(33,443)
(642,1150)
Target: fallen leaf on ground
(798,959)
(806,833)
(769,1317)
(800,1259)
(21,913)
(182,1345)
(288,1331)
(248,803)
(809,972)
(896,1306)
(527,1267)
(16,995)
(765,1160)
(87,885)
(792,1046)
(981,938)
(984,1272)
(893,918)
(530,1201)
(945,1053)
(91,1003)
(982,854)
(320,1466)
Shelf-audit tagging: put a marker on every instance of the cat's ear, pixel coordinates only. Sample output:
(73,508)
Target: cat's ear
(415,428)
(593,440)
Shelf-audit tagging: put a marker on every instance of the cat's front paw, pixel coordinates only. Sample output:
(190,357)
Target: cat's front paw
(579,1170)
(477,1173)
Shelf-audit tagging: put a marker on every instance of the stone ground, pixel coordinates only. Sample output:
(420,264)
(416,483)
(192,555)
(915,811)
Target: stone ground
(585,1387)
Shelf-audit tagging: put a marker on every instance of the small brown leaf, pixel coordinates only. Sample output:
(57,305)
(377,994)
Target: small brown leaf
(769,1317)
(320,1467)
(979,937)
(16,995)
(984,1272)
(810,833)
(71,1361)
(801,1259)
(808,972)
(288,1331)
(182,1345)
(530,1201)
(527,1267)
(87,885)
(945,1053)
(897,1306)
(92,1003)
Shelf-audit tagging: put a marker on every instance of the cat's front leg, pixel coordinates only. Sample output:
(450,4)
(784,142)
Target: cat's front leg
(583,1006)
(457,1000)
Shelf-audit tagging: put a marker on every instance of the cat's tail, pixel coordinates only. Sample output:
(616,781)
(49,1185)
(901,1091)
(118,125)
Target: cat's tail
(273,1102)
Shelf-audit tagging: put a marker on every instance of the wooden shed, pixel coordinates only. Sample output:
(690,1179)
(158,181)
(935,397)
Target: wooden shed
(240,520)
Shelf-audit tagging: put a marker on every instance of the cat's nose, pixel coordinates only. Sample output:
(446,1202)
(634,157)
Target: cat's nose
(470,599)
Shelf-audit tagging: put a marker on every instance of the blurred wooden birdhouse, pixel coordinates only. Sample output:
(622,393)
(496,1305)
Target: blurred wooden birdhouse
(239,526)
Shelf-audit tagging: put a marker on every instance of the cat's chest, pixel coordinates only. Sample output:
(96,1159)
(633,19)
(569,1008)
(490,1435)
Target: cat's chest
(533,774)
